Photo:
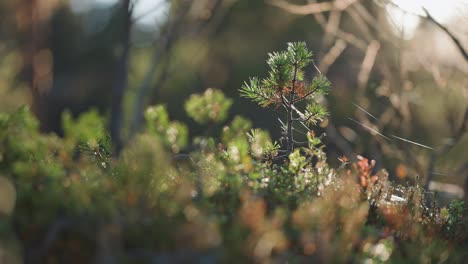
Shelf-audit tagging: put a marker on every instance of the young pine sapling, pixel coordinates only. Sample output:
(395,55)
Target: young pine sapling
(285,87)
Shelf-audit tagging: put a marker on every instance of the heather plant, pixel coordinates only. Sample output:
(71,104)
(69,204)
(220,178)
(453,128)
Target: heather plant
(211,106)
(173,134)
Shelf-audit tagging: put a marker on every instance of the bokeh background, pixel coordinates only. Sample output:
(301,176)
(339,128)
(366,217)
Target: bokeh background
(399,69)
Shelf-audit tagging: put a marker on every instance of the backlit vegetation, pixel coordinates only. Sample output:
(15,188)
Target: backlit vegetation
(235,197)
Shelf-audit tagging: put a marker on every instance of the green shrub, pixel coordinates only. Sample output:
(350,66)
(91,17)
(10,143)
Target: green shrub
(211,106)
(238,196)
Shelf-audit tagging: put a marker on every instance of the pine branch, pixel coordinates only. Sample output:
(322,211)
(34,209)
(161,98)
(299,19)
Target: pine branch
(256,92)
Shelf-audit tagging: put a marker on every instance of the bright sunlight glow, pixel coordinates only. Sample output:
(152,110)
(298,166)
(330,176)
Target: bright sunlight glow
(148,12)
(404,14)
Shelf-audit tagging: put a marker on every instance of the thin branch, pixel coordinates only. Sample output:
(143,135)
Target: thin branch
(429,17)
(297,111)
(360,23)
(312,8)
(333,24)
(303,9)
(349,38)
(454,39)
(368,63)
(373,23)
(305,96)
(305,119)
(335,51)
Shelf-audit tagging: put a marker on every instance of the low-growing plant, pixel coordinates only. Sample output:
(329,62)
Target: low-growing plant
(234,197)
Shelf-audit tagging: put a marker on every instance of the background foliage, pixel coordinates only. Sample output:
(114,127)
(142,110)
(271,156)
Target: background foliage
(137,147)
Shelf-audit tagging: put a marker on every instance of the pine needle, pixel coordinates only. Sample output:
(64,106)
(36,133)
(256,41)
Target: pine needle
(412,142)
(371,129)
(364,110)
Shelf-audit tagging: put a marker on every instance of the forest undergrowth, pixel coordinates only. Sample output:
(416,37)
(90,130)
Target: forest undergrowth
(231,195)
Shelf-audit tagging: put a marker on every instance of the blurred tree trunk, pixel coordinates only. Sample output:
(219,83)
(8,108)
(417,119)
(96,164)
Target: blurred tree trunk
(31,21)
(169,34)
(121,79)
(146,84)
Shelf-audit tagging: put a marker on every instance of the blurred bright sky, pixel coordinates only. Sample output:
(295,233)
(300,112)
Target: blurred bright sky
(405,14)
(148,12)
